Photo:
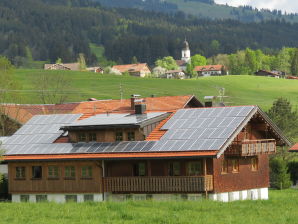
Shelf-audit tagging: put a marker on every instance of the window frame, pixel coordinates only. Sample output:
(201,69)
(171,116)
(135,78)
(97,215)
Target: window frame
(86,199)
(254,164)
(41,198)
(174,168)
(225,166)
(199,165)
(82,137)
(22,173)
(116,136)
(69,173)
(131,136)
(87,172)
(24,196)
(69,197)
(52,172)
(235,162)
(92,137)
(34,174)
(138,171)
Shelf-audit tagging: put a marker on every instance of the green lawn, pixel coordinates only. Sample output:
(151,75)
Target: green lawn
(242,90)
(280,209)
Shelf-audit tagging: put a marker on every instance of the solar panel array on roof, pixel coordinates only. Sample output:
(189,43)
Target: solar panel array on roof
(188,130)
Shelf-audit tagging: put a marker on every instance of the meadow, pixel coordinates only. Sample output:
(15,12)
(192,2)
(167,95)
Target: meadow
(241,90)
(281,208)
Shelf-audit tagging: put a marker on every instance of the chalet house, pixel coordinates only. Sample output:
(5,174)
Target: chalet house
(64,66)
(274,74)
(174,74)
(220,153)
(211,70)
(140,70)
(95,69)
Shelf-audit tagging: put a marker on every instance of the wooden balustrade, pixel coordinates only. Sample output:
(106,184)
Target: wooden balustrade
(252,147)
(163,184)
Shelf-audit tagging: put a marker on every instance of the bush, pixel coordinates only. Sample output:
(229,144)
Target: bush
(279,176)
(293,169)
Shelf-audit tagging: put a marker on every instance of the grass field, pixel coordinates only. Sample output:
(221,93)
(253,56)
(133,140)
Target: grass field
(242,90)
(281,208)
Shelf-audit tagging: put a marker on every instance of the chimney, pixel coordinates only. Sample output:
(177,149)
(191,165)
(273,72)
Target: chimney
(140,108)
(209,101)
(133,100)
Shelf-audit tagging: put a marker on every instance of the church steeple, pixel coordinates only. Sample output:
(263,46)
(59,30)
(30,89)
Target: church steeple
(185,51)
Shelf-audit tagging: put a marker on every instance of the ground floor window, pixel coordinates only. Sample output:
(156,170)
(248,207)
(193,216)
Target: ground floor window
(71,198)
(70,172)
(87,172)
(20,173)
(41,198)
(24,198)
(195,168)
(53,172)
(88,197)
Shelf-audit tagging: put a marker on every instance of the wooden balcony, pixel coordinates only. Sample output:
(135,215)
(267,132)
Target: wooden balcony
(252,147)
(165,184)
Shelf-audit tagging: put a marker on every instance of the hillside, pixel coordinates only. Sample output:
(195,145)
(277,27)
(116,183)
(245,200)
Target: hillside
(43,30)
(202,9)
(242,90)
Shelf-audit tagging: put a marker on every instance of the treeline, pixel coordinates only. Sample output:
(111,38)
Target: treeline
(46,30)
(249,61)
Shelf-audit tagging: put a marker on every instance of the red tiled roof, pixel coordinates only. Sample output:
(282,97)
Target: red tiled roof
(294,148)
(131,67)
(24,112)
(181,63)
(208,68)
(111,155)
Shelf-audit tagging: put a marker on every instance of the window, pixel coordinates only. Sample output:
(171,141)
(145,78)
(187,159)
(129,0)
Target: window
(41,198)
(92,137)
(254,164)
(131,136)
(24,198)
(36,172)
(119,136)
(20,173)
(195,168)
(70,172)
(139,169)
(174,169)
(224,167)
(82,137)
(71,198)
(88,197)
(87,172)
(53,172)
(235,165)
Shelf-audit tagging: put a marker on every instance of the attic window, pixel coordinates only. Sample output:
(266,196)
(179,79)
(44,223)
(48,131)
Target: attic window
(131,136)
(82,137)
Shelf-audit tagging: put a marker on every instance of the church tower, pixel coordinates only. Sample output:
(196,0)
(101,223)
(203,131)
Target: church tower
(185,52)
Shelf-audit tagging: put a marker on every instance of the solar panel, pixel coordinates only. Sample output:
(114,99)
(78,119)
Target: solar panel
(148,146)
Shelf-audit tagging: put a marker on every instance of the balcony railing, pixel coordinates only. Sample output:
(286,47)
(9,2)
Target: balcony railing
(163,184)
(252,147)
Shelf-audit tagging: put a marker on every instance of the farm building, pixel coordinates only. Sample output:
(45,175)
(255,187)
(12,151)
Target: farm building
(274,74)
(211,70)
(140,70)
(95,69)
(64,66)
(217,152)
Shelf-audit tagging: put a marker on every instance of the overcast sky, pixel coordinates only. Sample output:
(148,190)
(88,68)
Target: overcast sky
(284,5)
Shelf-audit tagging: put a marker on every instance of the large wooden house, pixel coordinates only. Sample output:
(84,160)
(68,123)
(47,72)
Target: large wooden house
(220,153)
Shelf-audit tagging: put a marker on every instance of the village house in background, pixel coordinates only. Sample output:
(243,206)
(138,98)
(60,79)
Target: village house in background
(64,66)
(95,69)
(157,147)
(174,74)
(139,70)
(274,74)
(211,70)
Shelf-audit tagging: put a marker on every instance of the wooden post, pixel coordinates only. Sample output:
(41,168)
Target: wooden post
(102,179)
(205,174)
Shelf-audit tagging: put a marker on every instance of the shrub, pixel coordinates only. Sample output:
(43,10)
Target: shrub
(279,176)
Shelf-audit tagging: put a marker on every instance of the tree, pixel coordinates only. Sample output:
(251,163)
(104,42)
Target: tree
(294,65)
(82,62)
(168,63)
(215,46)
(134,60)
(196,60)
(53,87)
(59,61)
(283,60)
(279,176)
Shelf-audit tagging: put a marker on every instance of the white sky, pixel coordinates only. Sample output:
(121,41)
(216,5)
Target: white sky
(284,5)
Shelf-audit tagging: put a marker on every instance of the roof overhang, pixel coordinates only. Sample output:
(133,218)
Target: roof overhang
(108,156)
(294,148)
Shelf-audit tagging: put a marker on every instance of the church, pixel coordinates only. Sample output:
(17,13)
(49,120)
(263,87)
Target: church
(185,56)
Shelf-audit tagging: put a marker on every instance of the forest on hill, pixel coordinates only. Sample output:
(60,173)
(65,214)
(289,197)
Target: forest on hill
(46,30)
